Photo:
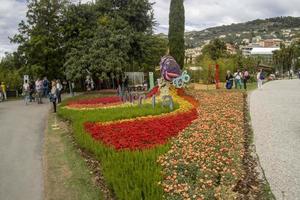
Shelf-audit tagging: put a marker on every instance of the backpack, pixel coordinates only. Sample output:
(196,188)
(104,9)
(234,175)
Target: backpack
(261,76)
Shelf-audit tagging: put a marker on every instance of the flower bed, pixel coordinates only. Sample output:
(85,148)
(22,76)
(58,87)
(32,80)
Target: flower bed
(141,133)
(205,160)
(96,102)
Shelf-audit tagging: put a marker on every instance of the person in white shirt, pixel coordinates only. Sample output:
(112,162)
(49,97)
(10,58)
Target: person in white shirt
(260,78)
(26,91)
(238,79)
(59,88)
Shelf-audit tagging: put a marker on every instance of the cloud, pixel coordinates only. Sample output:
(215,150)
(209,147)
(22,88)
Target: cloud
(201,14)
(11,13)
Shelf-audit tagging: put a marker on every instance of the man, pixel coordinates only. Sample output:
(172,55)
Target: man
(246,77)
(45,87)
(3,88)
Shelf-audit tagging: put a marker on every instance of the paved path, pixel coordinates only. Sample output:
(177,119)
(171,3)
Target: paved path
(21,136)
(275,113)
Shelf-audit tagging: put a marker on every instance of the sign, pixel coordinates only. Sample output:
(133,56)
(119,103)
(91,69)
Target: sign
(151,80)
(26,78)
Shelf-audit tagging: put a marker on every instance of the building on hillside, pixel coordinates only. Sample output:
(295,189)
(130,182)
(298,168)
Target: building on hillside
(222,36)
(231,49)
(246,50)
(246,41)
(192,54)
(264,54)
(271,43)
(256,39)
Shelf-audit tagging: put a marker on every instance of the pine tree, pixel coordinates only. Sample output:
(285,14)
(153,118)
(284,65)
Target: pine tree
(176,31)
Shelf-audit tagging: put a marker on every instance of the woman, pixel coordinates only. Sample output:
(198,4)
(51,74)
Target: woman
(53,95)
(26,91)
(59,88)
(229,80)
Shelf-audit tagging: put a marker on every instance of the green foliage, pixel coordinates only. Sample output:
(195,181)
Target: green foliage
(131,175)
(287,56)
(228,62)
(176,31)
(215,49)
(39,38)
(9,72)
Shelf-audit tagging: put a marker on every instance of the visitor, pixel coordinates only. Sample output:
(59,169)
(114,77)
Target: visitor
(39,90)
(229,80)
(1,94)
(59,87)
(299,74)
(126,84)
(45,87)
(238,79)
(260,78)
(53,95)
(3,88)
(26,92)
(246,77)
(31,92)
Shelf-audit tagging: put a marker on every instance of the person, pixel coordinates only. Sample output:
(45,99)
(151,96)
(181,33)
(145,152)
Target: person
(246,77)
(126,83)
(26,91)
(1,94)
(260,77)
(39,90)
(3,88)
(238,79)
(299,73)
(59,87)
(229,80)
(53,95)
(45,87)
(31,92)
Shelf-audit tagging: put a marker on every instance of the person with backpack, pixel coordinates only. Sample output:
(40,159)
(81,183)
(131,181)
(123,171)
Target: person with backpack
(229,80)
(246,77)
(260,78)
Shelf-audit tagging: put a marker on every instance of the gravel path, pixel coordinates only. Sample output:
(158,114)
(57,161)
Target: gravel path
(275,114)
(21,135)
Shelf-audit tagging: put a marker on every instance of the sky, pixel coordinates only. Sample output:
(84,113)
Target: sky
(200,14)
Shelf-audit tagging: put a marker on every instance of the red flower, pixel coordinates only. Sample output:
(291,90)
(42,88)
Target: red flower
(98,102)
(140,134)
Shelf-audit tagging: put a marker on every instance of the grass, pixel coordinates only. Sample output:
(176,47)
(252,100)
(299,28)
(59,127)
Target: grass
(130,175)
(66,174)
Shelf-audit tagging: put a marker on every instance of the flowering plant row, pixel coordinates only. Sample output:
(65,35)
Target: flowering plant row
(141,133)
(144,132)
(95,102)
(205,160)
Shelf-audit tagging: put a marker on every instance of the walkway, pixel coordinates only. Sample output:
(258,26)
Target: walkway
(21,137)
(275,113)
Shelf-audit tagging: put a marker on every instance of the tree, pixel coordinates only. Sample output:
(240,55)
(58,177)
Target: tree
(39,38)
(215,49)
(176,31)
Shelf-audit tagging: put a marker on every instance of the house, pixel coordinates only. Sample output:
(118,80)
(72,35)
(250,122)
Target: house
(264,54)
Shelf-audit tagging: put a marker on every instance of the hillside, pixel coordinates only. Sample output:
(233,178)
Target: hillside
(285,28)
